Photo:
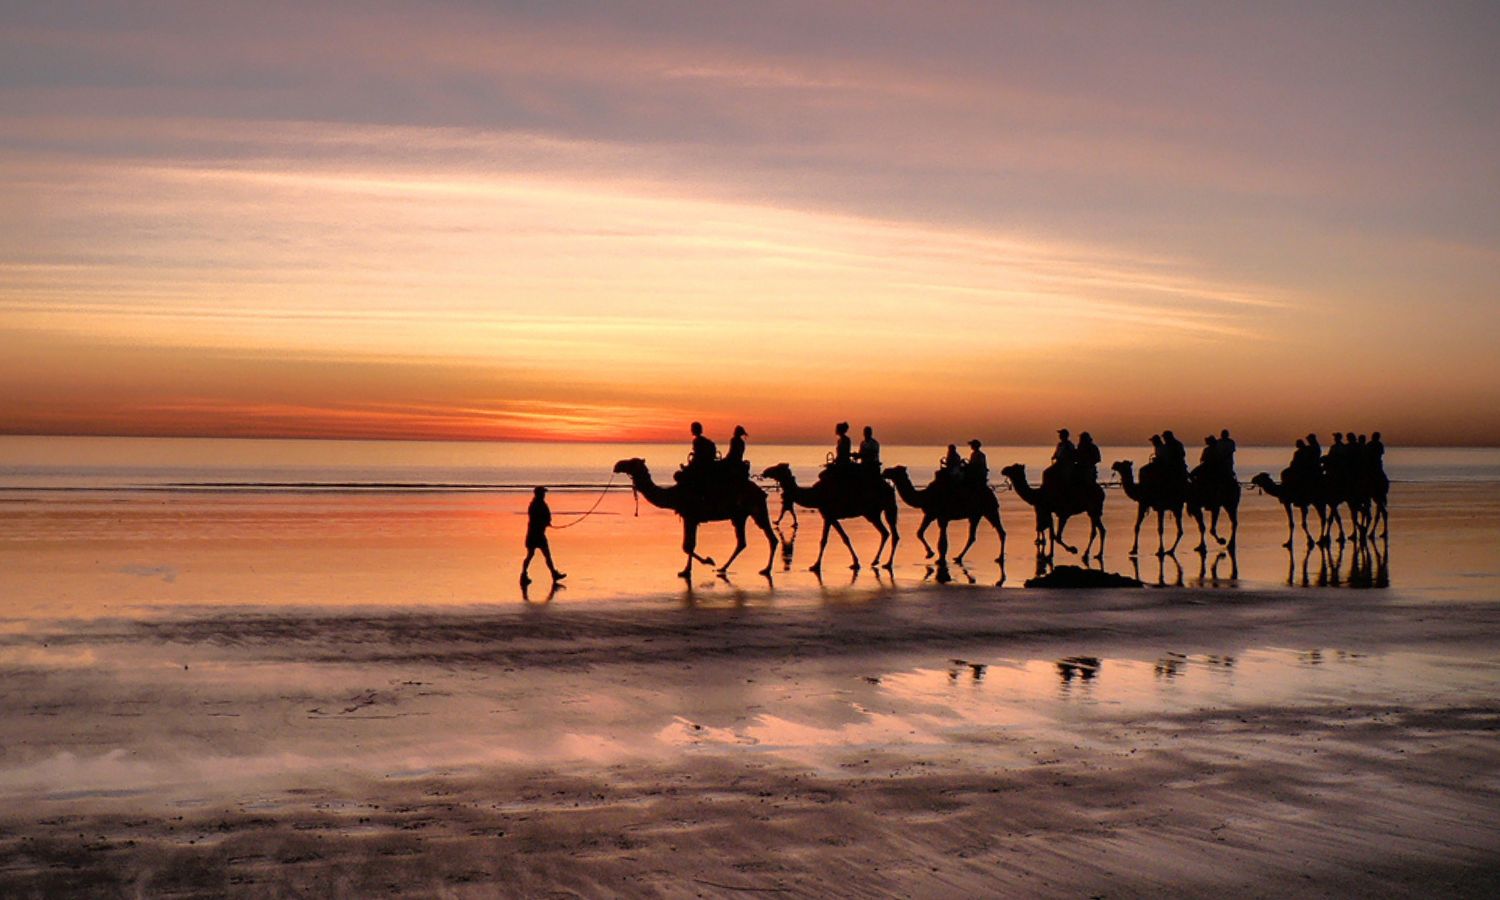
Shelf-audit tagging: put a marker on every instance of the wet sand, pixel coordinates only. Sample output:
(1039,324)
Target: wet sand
(350,695)
(921,742)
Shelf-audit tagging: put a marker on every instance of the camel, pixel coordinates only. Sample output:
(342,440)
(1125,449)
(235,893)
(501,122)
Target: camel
(944,504)
(1075,499)
(733,501)
(1205,492)
(1163,495)
(1303,496)
(863,497)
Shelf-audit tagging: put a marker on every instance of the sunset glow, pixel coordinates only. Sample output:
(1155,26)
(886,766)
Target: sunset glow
(487,223)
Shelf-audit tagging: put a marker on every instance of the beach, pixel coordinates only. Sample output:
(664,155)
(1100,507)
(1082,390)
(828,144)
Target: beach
(273,693)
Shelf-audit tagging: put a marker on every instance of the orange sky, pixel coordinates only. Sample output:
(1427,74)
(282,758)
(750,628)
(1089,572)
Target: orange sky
(566,224)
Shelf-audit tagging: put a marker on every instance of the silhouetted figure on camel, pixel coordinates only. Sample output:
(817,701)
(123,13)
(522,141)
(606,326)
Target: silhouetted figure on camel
(1088,459)
(1060,502)
(948,499)
(1302,486)
(1063,470)
(859,498)
(705,472)
(714,500)
(1164,495)
(977,466)
(869,452)
(1212,487)
(842,447)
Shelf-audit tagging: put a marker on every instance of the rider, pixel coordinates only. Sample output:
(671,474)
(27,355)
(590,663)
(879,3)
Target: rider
(1066,453)
(869,451)
(1176,454)
(1088,459)
(841,449)
(704,451)
(1224,450)
(736,452)
(952,465)
(977,469)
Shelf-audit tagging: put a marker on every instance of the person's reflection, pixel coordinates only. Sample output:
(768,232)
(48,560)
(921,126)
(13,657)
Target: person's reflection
(788,545)
(1082,669)
(542,601)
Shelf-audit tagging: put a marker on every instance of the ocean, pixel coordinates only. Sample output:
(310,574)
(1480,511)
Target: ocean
(111,526)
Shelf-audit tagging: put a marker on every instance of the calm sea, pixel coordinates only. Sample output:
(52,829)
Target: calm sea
(37,464)
(106,526)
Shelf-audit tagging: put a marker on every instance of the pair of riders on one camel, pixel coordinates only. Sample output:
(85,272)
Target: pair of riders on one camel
(847,464)
(705,468)
(1072,466)
(973,472)
(1216,460)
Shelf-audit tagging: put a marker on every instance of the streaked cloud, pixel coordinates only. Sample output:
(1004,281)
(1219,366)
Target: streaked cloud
(935,214)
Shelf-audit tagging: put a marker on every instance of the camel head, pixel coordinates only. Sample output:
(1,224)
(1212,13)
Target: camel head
(896,473)
(1264,481)
(635,467)
(1125,467)
(781,473)
(1014,471)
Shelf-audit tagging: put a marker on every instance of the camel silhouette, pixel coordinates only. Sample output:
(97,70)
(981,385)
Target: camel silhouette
(733,501)
(1164,495)
(1207,492)
(945,502)
(855,496)
(1067,501)
(1303,493)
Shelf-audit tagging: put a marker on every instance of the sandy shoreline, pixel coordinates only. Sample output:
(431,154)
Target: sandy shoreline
(1117,743)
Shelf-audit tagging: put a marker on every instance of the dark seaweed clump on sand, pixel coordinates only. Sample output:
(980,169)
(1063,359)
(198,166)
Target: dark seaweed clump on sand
(1078,577)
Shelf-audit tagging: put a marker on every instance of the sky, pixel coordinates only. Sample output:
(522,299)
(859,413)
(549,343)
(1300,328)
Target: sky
(580,221)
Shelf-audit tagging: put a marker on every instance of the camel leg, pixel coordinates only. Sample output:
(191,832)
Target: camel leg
(739,545)
(689,545)
(1234,525)
(1177,515)
(847,543)
(817,565)
(922,533)
(1321,526)
(1214,525)
(1197,515)
(994,520)
(1140,516)
(1096,526)
(874,519)
(762,518)
(1324,524)
(1161,540)
(973,528)
(1291,526)
(1057,536)
(942,547)
(890,515)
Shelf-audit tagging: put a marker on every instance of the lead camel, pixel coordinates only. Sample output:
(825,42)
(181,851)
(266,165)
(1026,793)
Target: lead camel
(733,501)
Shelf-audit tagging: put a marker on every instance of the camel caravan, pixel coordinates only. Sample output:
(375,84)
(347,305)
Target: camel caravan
(852,484)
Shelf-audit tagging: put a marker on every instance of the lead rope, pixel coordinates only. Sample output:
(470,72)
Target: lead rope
(596,505)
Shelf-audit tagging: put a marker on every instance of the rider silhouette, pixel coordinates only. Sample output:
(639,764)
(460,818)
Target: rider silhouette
(977,469)
(704,450)
(736,452)
(1224,451)
(841,449)
(1088,459)
(869,451)
(1065,454)
(953,464)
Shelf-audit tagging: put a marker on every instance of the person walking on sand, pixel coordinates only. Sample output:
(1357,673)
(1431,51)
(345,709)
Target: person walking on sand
(538,520)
